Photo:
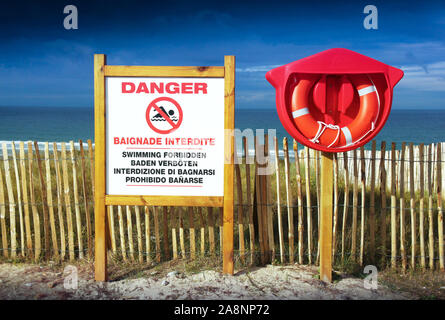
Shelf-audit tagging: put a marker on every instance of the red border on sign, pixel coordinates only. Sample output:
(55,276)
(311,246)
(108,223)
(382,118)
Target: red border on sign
(166,117)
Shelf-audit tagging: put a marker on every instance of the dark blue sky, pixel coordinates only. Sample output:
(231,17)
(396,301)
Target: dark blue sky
(42,64)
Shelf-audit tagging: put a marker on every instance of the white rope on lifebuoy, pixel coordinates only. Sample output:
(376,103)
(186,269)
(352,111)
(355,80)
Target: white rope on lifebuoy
(321,128)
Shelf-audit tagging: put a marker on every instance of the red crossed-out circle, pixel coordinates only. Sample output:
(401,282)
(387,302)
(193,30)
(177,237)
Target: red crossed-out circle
(153,104)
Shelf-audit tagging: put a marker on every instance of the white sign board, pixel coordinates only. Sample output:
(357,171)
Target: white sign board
(165,136)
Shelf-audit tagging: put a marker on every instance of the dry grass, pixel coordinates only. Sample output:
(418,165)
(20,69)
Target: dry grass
(119,269)
(428,285)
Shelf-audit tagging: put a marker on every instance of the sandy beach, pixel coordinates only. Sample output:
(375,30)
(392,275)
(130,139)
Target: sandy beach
(31,282)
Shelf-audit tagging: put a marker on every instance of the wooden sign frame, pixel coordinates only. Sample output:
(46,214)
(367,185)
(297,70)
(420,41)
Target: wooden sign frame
(101,199)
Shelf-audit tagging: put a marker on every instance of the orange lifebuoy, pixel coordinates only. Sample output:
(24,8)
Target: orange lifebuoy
(331,135)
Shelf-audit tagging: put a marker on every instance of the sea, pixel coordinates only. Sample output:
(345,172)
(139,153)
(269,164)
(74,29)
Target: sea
(57,124)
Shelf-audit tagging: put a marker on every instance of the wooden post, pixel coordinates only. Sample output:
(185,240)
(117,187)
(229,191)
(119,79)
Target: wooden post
(112,229)
(91,153)
(393,207)
(44,203)
(267,208)
(50,202)
(402,206)
(130,232)
(157,234)
(249,198)
(439,208)
(239,188)
(192,233)
(354,209)
(32,198)
(19,199)
(258,199)
(165,232)
(317,188)
(300,204)
(12,205)
(308,204)
(335,218)
(174,239)
(229,124)
(383,201)
(85,203)
(372,205)
(148,234)
(290,217)
(363,203)
(76,200)
(59,201)
(260,191)
(3,217)
(202,231)
(221,229)
(211,223)
(122,233)
(263,211)
(412,205)
(325,238)
(421,207)
(430,209)
(139,232)
(346,203)
(25,200)
(100,263)
(181,234)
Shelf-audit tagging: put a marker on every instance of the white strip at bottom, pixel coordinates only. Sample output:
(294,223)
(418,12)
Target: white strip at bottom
(366,90)
(300,112)
(348,135)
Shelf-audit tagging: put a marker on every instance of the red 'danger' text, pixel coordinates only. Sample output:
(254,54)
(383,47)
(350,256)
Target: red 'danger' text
(162,88)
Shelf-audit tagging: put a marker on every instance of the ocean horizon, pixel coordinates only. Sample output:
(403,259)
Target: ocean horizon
(58,124)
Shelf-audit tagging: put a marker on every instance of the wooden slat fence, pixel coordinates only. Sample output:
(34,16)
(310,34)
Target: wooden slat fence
(387,207)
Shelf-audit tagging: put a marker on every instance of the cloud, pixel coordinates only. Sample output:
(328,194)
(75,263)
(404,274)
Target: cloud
(257,68)
(430,77)
(418,77)
(257,96)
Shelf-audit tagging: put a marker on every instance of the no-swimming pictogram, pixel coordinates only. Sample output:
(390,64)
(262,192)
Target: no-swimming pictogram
(164,115)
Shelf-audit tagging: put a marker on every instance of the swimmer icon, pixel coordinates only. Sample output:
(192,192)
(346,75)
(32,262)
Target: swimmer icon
(164,115)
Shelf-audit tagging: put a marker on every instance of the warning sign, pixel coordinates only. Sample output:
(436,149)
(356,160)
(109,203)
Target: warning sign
(164,115)
(165,136)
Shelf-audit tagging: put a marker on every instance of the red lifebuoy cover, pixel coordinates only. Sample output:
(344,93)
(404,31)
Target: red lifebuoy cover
(334,101)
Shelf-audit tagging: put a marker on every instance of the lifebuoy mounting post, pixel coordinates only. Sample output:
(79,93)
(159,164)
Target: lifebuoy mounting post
(104,77)
(326,189)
